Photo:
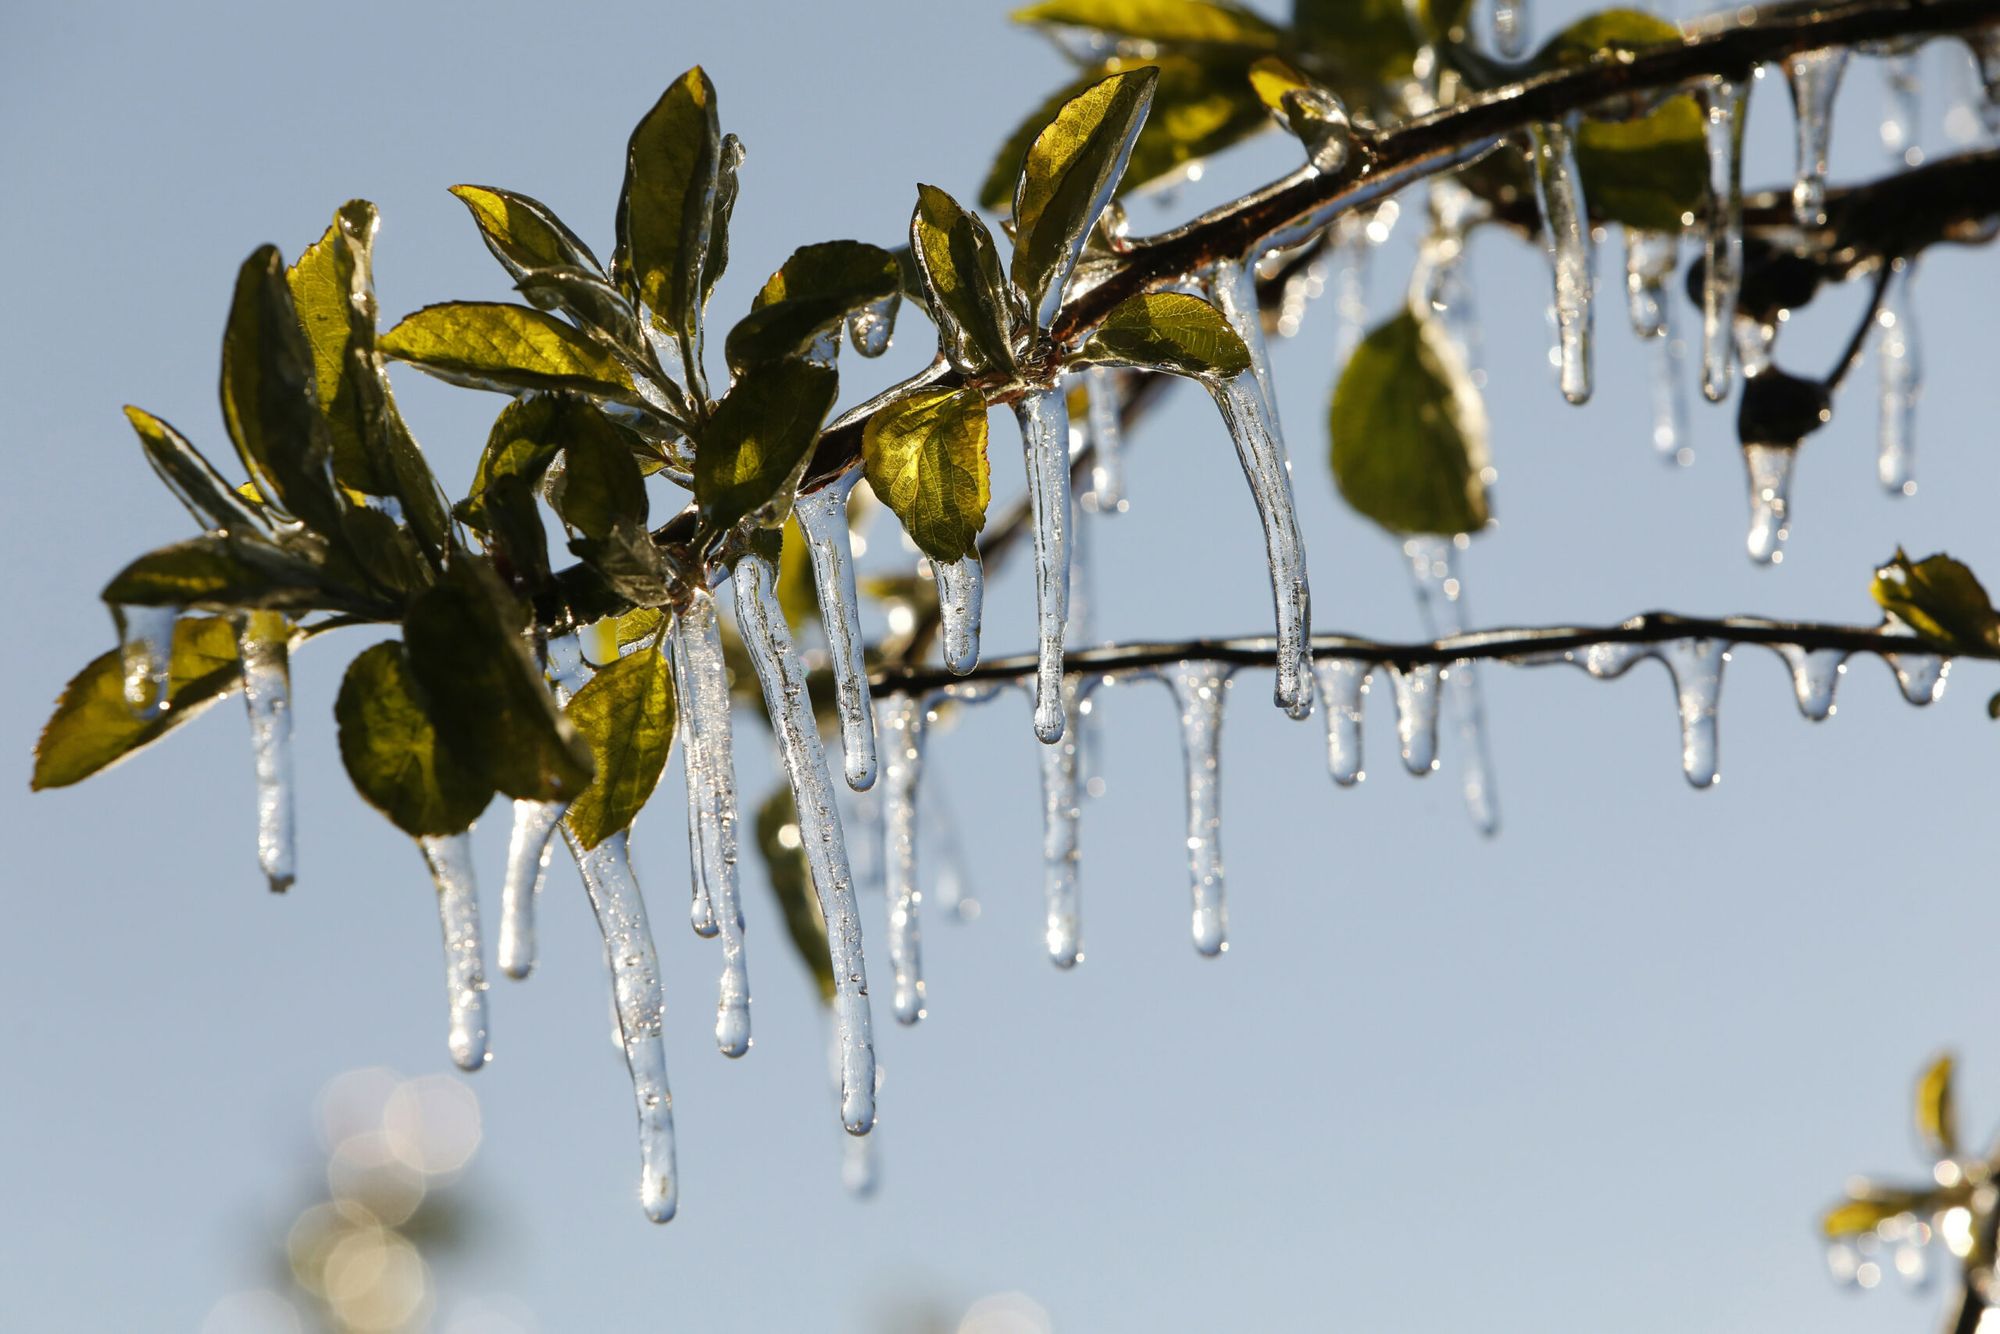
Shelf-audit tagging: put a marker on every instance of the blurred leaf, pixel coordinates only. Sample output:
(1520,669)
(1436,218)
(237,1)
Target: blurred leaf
(205,492)
(625,714)
(1070,173)
(492,345)
(1939,598)
(667,209)
(93,727)
(1937,1110)
(1200,22)
(218,572)
(600,485)
(524,234)
(1369,42)
(1409,432)
(969,301)
(1782,409)
(390,745)
(1444,20)
(759,441)
(791,881)
(925,455)
(809,296)
(798,595)
(1168,331)
(1854,1217)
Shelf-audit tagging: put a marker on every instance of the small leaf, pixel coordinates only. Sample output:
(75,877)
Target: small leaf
(522,444)
(94,726)
(626,716)
(1070,173)
(336,306)
(600,486)
(667,209)
(1939,598)
(390,744)
(968,299)
(925,455)
(1200,22)
(205,492)
(492,345)
(524,234)
(218,572)
(1937,1110)
(791,881)
(759,441)
(628,563)
(1168,331)
(810,296)
(1409,432)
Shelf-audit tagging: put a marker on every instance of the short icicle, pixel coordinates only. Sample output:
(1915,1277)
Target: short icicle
(639,1002)
(1417,714)
(1770,470)
(450,860)
(1901,373)
(1815,79)
(527,863)
(823,518)
(1510,28)
(267,693)
(961,589)
(1650,260)
(1062,816)
(1696,665)
(784,683)
(1724,103)
(902,725)
(146,651)
(1920,676)
(1200,689)
(1107,442)
(1044,418)
(1342,684)
(1815,673)
(1441,600)
(1559,191)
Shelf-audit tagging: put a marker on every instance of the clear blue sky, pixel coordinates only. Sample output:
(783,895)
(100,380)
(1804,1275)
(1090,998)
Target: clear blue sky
(1599,1074)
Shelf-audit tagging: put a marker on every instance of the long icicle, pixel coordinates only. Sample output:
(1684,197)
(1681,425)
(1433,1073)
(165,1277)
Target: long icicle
(902,723)
(1901,372)
(267,693)
(1200,689)
(822,517)
(762,622)
(639,1001)
(1441,602)
(450,861)
(527,864)
(1044,418)
(1724,103)
(1814,77)
(1559,191)
(1062,816)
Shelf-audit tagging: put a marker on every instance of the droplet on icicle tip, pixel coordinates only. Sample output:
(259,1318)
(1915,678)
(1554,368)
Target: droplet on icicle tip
(1559,192)
(1770,472)
(1815,79)
(450,862)
(1200,690)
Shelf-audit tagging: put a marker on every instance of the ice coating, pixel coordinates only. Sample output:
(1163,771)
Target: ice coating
(1901,376)
(527,862)
(1061,817)
(1107,435)
(1696,665)
(1342,684)
(1770,470)
(822,517)
(1815,673)
(1417,688)
(902,721)
(1441,601)
(783,679)
(1921,676)
(871,327)
(450,860)
(1353,246)
(1232,286)
(1723,103)
(1650,260)
(267,694)
(1559,191)
(701,682)
(146,651)
(1814,77)
(639,1002)
(1261,451)
(1200,690)
(1044,418)
(1510,28)
(961,589)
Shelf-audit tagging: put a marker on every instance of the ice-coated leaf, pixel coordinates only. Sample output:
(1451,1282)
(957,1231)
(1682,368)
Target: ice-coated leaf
(809,296)
(486,693)
(391,747)
(269,401)
(1070,173)
(495,345)
(667,209)
(625,714)
(1313,113)
(628,562)
(524,234)
(216,571)
(759,440)
(601,486)
(1937,1109)
(522,444)
(1168,331)
(970,301)
(1366,41)
(1939,598)
(925,456)
(194,481)
(791,882)
(1200,22)
(1409,432)
(592,300)
(94,725)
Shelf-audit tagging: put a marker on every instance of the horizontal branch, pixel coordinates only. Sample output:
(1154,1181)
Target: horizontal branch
(1521,645)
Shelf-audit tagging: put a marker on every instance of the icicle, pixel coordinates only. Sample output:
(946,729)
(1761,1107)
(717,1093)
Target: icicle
(1921,676)
(1061,817)
(527,861)
(1902,118)
(1107,434)
(823,518)
(790,708)
(860,1160)
(1669,401)
(1815,78)
(1815,672)
(1232,286)
(1510,28)
(1724,102)
(267,692)
(1650,259)
(870,327)
(1754,339)
(1439,281)
(146,645)
(1350,302)
(903,730)
(640,1005)
(1901,373)
(1559,191)
(961,588)
(1696,665)
(1200,689)
(1417,714)
(1342,683)
(1770,469)
(1984,43)
(1044,418)
(708,755)
(450,860)
(1441,601)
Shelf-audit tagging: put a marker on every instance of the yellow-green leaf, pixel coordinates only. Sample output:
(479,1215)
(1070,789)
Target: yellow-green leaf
(1853,1217)
(1168,331)
(1937,1109)
(925,455)
(625,714)
(601,485)
(1198,22)
(1409,432)
(390,746)
(524,234)
(759,440)
(818,287)
(667,209)
(216,571)
(1939,598)
(194,481)
(494,345)
(971,303)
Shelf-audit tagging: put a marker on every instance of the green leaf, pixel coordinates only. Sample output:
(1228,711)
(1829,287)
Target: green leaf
(217,571)
(522,444)
(394,754)
(600,485)
(628,563)
(492,345)
(1409,432)
(973,306)
(667,209)
(791,881)
(810,296)
(626,715)
(1937,1110)
(1168,331)
(759,441)
(1939,598)
(1201,22)
(269,401)
(93,727)
(591,300)
(524,234)
(1366,42)
(1070,173)
(194,481)
(925,455)
(487,696)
